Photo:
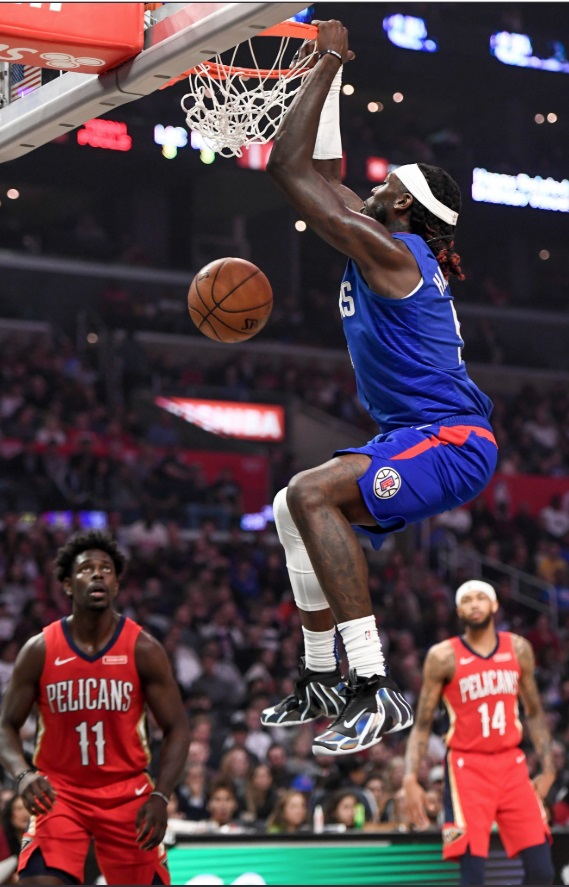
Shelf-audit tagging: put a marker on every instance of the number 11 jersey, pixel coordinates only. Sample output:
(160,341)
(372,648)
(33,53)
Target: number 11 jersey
(482,698)
(91,710)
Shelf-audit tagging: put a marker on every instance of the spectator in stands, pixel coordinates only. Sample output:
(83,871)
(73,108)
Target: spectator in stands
(14,822)
(290,814)
(554,518)
(222,805)
(236,766)
(277,760)
(341,808)
(375,785)
(148,534)
(260,795)
(192,793)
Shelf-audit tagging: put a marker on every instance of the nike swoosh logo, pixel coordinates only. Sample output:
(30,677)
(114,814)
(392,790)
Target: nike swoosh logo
(351,723)
(59,661)
(467,660)
(138,791)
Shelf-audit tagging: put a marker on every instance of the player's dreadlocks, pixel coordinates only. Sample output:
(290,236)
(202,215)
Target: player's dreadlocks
(438,234)
(80,542)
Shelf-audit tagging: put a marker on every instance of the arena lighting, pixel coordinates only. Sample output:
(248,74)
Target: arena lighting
(398,97)
(255,156)
(516,49)
(409,32)
(520,190)
(348,89)
(305,15)
(300,225)
(257,521)
(171,138)
(207,156)
(377,169)
(246,421)
(12,193)
(108,134)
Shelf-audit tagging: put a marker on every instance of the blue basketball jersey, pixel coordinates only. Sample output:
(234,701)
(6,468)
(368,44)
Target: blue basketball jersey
(407,353)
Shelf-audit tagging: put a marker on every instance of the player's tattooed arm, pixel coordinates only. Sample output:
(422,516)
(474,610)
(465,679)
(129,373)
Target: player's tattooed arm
(535,717)
(437,671)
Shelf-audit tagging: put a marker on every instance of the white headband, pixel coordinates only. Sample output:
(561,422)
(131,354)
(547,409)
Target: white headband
(474,585)
(415,182)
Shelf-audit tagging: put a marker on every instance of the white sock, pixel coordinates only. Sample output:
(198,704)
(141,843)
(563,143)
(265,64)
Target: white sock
(362,645)
(320,649)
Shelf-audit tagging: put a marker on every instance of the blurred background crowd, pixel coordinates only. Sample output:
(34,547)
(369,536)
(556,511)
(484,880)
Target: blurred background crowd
(94,327)
(219,598)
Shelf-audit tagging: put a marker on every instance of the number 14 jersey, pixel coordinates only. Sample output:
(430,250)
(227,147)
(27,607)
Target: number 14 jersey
(482,698)
(91,718)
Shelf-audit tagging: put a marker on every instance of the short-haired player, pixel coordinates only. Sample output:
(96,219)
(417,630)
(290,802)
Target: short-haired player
(92,675)
(480,676)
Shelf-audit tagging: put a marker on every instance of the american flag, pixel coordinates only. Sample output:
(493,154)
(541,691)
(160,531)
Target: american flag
(23,79)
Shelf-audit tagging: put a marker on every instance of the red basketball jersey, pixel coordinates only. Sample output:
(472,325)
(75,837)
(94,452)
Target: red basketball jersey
(482,698)
(91,723)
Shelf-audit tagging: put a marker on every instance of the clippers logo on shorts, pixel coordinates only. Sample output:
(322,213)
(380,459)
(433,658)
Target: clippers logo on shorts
(386,483)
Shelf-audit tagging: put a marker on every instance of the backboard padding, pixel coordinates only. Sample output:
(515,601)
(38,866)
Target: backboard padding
(192,33)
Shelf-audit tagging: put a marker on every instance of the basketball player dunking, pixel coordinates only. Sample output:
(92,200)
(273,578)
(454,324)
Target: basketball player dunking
(436,449)
(92,675)
(480,676)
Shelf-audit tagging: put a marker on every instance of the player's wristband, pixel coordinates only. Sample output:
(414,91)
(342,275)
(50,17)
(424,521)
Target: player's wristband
(165,798)
(19,776)
(330,52)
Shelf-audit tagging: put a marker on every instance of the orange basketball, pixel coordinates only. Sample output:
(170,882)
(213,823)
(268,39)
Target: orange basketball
(230,300)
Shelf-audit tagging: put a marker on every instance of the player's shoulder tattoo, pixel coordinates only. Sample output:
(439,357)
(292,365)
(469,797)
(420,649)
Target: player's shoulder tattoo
(440,661)
(523,650)
(522,647)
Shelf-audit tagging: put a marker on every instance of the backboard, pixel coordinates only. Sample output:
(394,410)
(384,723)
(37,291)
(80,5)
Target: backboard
(182,35)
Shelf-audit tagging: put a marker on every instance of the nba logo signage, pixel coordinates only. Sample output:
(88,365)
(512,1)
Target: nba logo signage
(386,483)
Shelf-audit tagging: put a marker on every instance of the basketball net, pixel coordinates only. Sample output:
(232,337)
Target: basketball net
(232,106)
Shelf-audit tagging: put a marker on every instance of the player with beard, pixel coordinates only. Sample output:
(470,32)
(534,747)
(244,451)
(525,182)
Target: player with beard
(480,676)
(436,449)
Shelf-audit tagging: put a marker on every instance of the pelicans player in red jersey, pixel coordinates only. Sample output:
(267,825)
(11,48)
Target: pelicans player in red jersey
(480,676)
(92,675)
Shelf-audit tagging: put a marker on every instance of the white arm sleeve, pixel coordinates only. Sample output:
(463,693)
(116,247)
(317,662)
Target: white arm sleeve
(328,139)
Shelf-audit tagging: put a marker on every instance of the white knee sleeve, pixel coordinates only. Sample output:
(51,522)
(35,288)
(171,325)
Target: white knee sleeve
(305,586)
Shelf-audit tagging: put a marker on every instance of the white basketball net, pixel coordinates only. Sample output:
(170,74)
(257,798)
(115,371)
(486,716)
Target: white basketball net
(244,108)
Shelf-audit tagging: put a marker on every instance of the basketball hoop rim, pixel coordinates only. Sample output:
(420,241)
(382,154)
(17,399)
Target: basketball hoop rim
(298,30)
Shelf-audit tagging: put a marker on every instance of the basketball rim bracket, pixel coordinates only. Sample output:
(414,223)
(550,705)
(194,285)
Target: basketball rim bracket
(185,35)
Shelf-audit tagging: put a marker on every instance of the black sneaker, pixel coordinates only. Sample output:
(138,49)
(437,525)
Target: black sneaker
(317,694)
(372,707)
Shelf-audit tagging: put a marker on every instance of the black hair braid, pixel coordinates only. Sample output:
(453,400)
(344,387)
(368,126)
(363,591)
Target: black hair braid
(430,227)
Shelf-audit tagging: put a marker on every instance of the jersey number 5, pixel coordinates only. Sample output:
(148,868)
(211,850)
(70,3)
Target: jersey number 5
(496,722)
(347,306)
(97,729)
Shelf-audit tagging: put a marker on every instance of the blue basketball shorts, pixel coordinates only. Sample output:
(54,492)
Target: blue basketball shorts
(416,473)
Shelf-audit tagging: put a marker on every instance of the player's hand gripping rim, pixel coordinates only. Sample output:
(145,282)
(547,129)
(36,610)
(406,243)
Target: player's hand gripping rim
(333,35)
(37,793)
